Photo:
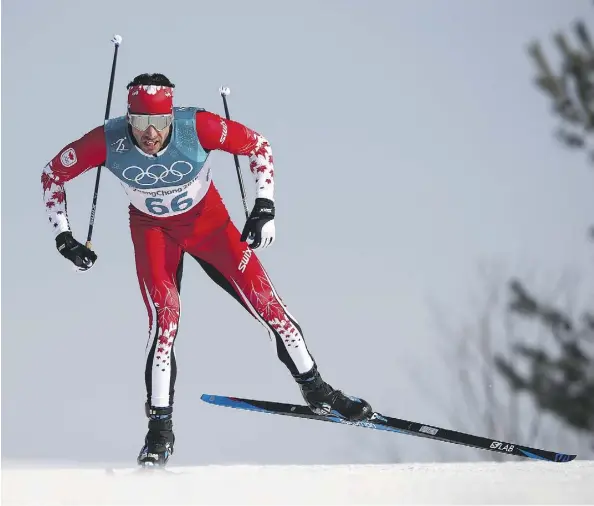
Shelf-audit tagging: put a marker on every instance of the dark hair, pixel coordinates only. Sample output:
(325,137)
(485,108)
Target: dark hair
(148,79)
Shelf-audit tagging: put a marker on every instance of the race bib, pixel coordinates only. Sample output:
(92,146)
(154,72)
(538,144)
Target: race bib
(167,200)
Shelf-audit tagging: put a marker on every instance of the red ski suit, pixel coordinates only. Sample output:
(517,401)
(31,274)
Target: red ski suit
(205,232)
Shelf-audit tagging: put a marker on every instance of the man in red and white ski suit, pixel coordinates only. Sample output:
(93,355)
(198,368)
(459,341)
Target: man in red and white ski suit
(160,154)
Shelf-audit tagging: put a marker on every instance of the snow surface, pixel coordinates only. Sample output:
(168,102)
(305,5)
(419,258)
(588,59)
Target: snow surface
(454,483)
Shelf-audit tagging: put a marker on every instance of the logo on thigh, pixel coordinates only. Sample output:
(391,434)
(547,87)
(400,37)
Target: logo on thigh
(245,259)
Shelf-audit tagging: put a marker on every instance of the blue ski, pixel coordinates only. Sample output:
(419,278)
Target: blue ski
(382,422)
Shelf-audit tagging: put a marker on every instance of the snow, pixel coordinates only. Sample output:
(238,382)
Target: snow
(454,483)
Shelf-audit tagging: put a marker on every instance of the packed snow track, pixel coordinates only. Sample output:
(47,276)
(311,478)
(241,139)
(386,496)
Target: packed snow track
(525,482)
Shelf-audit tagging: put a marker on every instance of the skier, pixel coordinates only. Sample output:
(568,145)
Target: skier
(160,154)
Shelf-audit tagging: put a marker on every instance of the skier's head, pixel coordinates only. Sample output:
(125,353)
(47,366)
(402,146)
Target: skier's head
(150,110)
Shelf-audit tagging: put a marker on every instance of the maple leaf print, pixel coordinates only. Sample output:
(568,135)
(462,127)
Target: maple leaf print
(46,181)
(262,150)
(49,204)
(59,196)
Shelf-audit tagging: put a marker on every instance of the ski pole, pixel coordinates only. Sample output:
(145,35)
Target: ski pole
(117,40)
(224,91)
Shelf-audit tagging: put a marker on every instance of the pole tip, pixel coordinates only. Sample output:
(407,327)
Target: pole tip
(117,40)
(224,90)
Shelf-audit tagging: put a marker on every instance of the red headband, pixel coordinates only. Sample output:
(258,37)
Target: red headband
(150,99)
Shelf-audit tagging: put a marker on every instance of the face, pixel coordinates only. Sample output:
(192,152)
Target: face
(151,140)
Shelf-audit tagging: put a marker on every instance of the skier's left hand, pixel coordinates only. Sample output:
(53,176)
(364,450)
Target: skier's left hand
(259,230)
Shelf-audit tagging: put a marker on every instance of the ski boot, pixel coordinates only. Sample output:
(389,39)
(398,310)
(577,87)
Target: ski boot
(322,399)
(159,440)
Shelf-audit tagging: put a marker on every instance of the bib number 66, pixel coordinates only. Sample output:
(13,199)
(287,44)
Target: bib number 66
(179,203)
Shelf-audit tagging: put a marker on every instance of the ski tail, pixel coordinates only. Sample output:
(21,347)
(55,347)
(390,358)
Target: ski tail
(379,421)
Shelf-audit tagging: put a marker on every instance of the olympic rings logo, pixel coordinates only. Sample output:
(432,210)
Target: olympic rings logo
(157,173)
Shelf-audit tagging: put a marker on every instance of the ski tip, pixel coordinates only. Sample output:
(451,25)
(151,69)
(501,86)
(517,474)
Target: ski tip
(562,457)
(549,456)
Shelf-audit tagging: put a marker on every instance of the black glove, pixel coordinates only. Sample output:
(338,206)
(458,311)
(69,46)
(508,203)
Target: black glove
(81,256)
(259,228)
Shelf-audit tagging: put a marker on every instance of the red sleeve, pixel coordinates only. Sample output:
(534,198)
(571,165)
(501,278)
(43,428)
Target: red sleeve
(75,158)
(218,133)
(79,156)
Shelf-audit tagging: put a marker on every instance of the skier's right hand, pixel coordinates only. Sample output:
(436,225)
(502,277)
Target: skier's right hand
(82,257)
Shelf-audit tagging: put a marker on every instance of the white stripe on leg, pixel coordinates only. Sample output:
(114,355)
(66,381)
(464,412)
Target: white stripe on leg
(288,332)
